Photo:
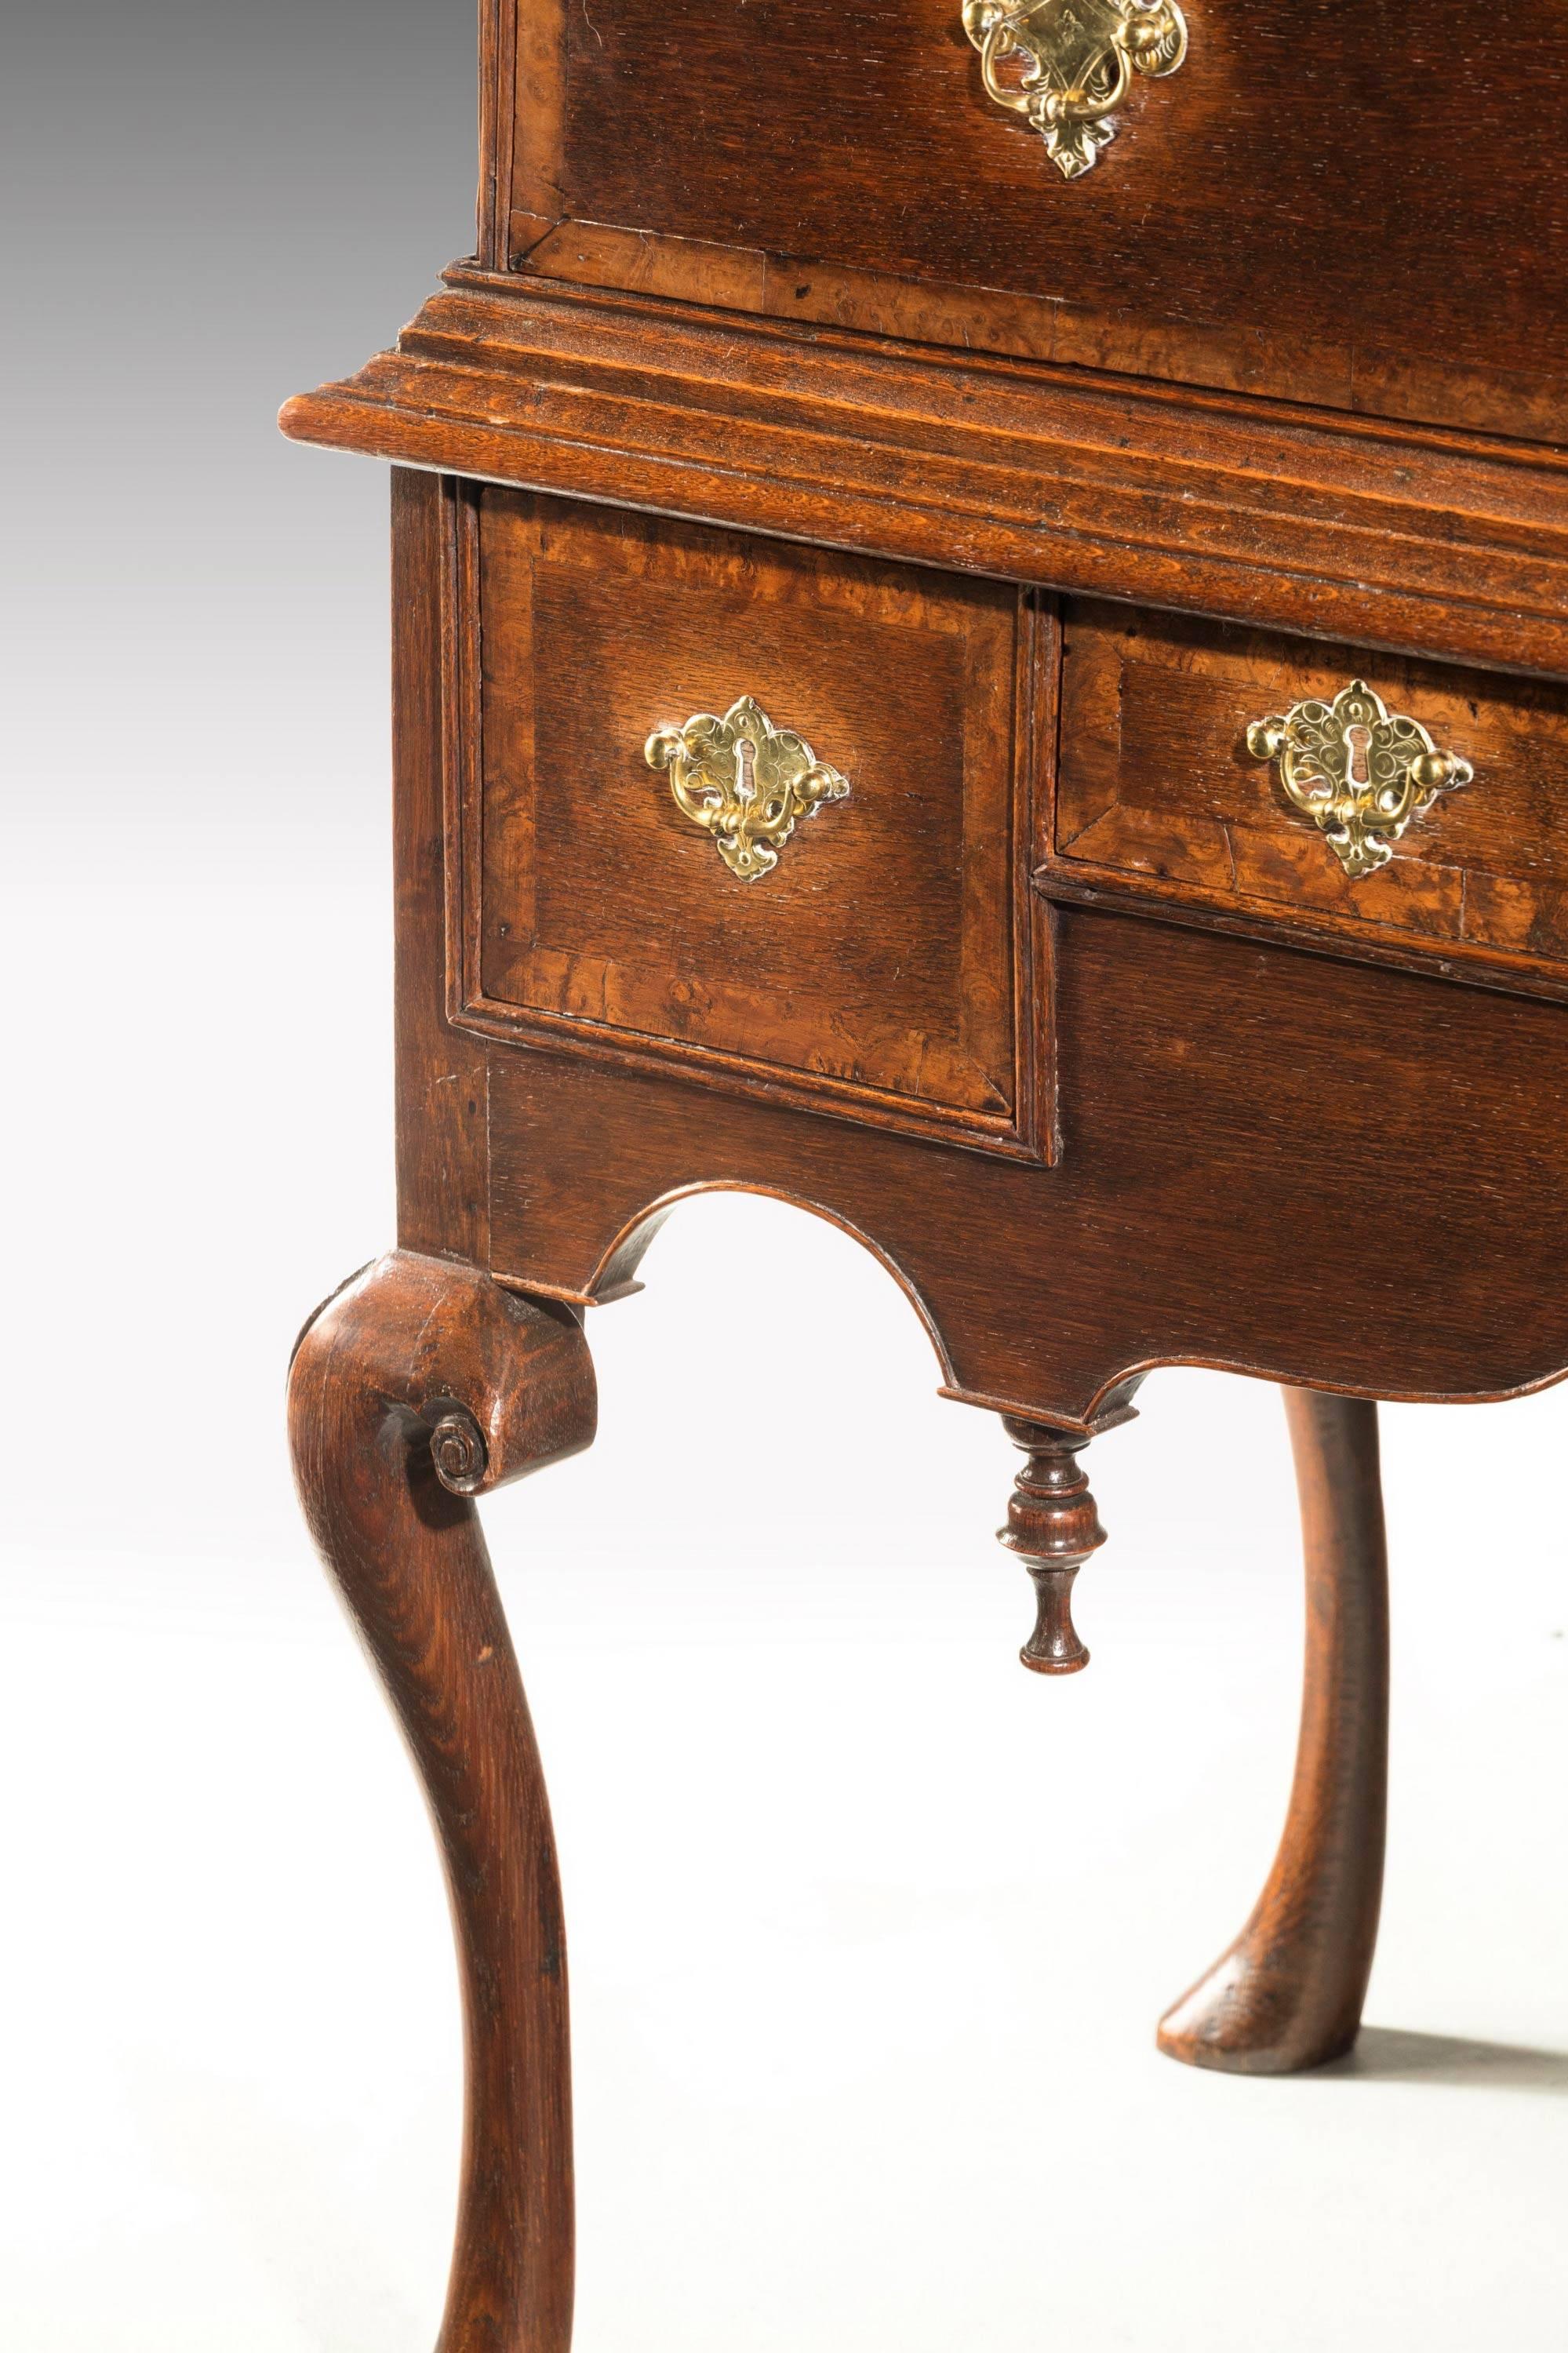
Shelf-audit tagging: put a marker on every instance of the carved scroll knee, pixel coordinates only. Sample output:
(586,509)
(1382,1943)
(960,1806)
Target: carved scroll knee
(1052,1525)
(1288,1993)
(416,1387)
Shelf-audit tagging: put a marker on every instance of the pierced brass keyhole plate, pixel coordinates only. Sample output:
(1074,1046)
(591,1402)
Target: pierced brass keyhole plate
(1080,57)
(1361,773)
(746,782)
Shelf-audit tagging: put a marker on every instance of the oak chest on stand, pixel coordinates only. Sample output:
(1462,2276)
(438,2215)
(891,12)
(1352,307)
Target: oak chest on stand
(1045,521)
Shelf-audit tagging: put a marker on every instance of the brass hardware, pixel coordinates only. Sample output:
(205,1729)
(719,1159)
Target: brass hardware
(1359,773)
(1082,56)
(744,781)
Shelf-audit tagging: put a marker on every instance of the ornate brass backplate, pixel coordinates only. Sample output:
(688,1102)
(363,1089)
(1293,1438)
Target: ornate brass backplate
(746,782)
(1361,774)
(1081,56)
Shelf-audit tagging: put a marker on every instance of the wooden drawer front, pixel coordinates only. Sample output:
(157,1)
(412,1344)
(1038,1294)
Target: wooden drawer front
(883,968)
(1156,783)
(1337,201)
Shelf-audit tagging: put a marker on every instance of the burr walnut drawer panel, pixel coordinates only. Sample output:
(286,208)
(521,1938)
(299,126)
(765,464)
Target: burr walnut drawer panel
(1356,793)
(751,811)
(1337,201)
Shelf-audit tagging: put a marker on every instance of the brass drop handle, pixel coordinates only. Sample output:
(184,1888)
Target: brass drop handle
(746,782)
(1080,58)
(1359,772)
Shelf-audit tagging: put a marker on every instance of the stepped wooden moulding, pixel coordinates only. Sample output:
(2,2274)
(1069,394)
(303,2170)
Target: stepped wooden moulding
(1025,713)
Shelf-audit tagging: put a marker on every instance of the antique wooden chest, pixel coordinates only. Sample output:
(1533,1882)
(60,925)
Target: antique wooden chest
(981,621)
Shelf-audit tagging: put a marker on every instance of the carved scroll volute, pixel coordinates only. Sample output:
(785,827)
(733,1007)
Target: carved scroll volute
(1079,58)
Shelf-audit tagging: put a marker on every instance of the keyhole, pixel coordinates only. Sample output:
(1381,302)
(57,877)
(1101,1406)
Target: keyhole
(745,757)
(1358,744)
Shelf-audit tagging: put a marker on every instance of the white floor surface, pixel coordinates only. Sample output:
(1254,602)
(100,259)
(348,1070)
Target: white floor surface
(869,1928)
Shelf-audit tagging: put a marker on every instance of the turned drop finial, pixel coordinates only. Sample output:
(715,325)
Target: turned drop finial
(1052,1525)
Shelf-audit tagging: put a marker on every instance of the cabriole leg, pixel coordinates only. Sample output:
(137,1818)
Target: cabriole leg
(418,1386)
(1288,1993)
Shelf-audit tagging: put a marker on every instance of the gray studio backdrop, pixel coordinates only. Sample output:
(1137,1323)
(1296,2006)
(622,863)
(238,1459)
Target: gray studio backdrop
(207,206)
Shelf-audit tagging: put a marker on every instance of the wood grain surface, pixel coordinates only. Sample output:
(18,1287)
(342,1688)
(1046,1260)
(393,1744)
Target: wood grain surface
(1156,781)
(1352,205)
(887,965)
(1443,543)
(1332,1175)
(442,1076)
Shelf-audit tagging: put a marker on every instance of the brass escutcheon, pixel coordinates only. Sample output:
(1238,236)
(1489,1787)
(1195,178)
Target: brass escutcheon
(1080,58)
(1359,773)
(746,782)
